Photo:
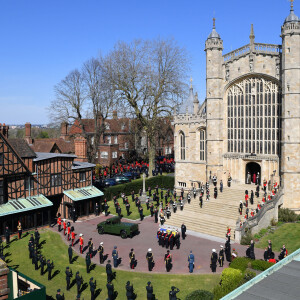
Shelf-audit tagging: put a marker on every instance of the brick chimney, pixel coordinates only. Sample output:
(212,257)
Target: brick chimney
(64,130)
(28,133)
(4,289)
(4,129)
(115,115)
(80,148)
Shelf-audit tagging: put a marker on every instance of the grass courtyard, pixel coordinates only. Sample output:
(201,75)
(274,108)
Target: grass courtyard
(54,248)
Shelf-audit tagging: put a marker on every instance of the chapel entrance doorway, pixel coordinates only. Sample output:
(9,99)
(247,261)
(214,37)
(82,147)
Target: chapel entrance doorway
(253,172)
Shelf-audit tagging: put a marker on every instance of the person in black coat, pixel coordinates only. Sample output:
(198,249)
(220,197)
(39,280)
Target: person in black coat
(110,290)
(156,215)
(68,277)
(79,281)
(149,289)
(109,272)
(228,250)
(129,291)
(36,237)
(88,262)
(150,259)
(141,212)
(50,266)
(92,288)
(173,292)
(213,260)
(42,263)
(252,254)
(59,296)
(7,235)
(183,231)
(70,253)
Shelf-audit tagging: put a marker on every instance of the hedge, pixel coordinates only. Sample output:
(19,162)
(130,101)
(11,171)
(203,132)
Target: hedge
(166,182)
(261,265)
(200,295)
(240,263)
(286,215)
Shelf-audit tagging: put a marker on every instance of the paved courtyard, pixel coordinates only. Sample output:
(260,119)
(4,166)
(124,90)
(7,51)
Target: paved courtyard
(200,245)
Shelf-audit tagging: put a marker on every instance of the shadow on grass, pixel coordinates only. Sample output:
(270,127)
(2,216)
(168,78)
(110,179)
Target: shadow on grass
(92,267)
(83,287)
(49,297)
(73,283)
(74,259)
(97,292)
(55,274)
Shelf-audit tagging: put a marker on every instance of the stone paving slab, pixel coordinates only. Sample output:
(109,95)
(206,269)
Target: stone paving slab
(200,244)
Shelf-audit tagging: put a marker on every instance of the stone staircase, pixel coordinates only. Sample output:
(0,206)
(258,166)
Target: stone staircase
(215,214)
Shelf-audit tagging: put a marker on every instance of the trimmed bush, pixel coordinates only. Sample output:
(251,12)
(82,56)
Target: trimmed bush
(248,275)
(166,182)
(200,295)
(240,263)
(261,265)
(246,238)
(286,215)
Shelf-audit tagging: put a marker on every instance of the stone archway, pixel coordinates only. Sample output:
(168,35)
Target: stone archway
(252,168)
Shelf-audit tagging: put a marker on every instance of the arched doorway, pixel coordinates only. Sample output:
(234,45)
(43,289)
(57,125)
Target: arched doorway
(253,168)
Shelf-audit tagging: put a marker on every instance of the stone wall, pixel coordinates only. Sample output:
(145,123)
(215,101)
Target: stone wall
(4,290)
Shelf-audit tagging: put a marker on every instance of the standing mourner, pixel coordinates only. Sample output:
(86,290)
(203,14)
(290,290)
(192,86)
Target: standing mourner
(149,289)
(191,260)
(115,256)
(213,260)
(70,253)
(150,260)
(228,249)
(7,235)
(68,277)
(221,256)
(91,247)
(168,261)
(101,253)
(283,253)
(50,266)
(92,287)
(19,227)
(252,254)
(183,231)
(173,292)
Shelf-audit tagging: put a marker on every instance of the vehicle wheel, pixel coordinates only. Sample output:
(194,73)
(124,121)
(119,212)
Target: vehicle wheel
(100,230)
(123,234)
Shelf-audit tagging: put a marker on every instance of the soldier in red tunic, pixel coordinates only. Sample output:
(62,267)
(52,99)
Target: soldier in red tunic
(81,243)
(73,234)
(59,223)
(64,226)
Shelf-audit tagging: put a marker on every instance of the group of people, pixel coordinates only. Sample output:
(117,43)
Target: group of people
(270,256)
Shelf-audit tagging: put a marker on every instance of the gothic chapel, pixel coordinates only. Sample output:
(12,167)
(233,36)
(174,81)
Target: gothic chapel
(250,119)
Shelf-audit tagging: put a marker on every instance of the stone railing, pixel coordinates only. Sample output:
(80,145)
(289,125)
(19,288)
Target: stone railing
(267,48)
(236,53)
(268,211)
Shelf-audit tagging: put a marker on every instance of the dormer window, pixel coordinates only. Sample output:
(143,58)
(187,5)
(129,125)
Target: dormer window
(107,126)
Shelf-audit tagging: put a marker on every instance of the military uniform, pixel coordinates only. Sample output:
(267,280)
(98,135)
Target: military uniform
(129,291)
(101,253)
(50,266)
(109,272)
(149,289)
(68,277)
(110,290)
(70,254)
(150,259)
(132,259)
(87,262)
(78,282)
(221,257)
(168,261)
(92,288)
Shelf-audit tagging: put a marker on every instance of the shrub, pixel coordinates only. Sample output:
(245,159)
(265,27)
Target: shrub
(248,275)
(246,238)
(166,182)
(287,215)
(261,265)
(240,263)
(200,295)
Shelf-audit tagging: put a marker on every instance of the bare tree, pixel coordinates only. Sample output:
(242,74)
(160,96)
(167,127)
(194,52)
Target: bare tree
(81,94)
(148,76)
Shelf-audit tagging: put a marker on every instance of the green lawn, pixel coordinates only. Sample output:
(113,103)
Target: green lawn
(55,249)
(134,210)
(287,234)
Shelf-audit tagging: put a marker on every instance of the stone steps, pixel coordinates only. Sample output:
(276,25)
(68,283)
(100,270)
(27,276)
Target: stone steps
(216,214)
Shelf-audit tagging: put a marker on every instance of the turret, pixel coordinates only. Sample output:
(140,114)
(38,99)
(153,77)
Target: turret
(290,156)
(214,79)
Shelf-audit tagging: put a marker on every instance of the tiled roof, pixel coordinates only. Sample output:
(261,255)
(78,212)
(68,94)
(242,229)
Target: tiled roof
(43,155)
(47,145)
(22,148)
(83,193)
(20,205)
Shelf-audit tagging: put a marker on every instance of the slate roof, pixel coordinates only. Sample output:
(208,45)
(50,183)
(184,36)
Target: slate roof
(22,148)
(83,193)
(42,155)
(82,165)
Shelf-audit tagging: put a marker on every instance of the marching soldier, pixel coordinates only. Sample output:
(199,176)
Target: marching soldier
(213,260)
(132,259)
(168,261)
(92,288)
(19,227)
(70,253)
(150,259)
(88,262)
(50,266)
(68,277)
(101,253)
(221,256)
(78,282)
